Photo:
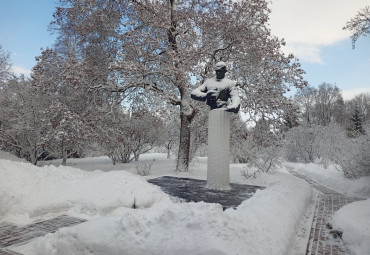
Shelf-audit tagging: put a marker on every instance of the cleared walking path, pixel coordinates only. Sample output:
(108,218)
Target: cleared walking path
(322,240)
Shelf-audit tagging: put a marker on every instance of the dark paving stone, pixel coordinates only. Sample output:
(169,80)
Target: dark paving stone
(8,252)
(6,228)
(193,190)
(15,235)
(52,225)
(19,235)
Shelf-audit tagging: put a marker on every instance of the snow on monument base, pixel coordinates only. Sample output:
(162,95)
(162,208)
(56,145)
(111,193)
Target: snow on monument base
(218,176)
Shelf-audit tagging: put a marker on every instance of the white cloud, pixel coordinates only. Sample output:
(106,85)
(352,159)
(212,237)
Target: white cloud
(309,25)
(20,70)
(304,52)
(351,93)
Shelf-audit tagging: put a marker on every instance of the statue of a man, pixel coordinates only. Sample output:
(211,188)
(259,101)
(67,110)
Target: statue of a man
(218,90)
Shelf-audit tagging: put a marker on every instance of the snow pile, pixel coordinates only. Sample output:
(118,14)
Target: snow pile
(334,180)
(354,221)
(29,193)
(264,224)
(9,156)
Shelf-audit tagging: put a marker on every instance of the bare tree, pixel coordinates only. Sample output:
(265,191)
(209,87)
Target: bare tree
(166,47)
(66,131)
(70,105)
(144,131)
(4,65)
(323,105)
(306,99)
(303,143)
(326,99)
(170,135)
(125,135)
(20,119)
(359,25)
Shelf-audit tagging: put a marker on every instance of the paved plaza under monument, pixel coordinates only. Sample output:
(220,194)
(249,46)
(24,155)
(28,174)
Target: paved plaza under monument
(194,190)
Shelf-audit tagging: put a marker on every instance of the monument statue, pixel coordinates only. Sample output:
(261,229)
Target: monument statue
(218,90)
(222,96)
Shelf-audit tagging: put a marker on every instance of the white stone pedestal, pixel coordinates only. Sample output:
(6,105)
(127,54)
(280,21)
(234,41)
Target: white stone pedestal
(218,176)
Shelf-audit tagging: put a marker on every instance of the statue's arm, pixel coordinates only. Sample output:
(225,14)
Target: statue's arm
(235,99)
(199,93)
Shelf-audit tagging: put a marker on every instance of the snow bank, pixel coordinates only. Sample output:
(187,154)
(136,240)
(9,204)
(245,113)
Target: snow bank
(354,221)
(334,180)
(29,193)
(9,156)
(264,224)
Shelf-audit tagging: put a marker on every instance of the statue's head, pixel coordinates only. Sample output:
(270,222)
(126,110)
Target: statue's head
(220,70)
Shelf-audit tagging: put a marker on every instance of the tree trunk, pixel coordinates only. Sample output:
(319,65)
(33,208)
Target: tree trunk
(34,157)
(65,154)
(186,112)
(184,147)
(137,155)
(168,152)
(124,154)
(112,156)
(183,156)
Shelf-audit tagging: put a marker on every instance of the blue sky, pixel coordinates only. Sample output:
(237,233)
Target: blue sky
(312,30)
(23,30)
(347,68)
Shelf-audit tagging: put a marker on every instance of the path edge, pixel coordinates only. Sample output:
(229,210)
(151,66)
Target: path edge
(301,240)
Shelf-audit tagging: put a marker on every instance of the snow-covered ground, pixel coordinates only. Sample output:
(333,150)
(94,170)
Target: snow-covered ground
(104,194)
(331,178)
(354,221)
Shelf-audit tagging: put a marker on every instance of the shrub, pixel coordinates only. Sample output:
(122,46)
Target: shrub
(144,168)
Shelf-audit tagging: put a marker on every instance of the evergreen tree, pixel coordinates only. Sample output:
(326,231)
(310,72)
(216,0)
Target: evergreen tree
(356,127)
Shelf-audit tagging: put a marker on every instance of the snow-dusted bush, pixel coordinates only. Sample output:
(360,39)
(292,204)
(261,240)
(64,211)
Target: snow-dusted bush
(259,146)
(329,144)
(350,155)
(354,161)
(262,158)
(66,132)
(20,126)
(144,168)
(267,158)
(302,143)
(125,136)
(249,174)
